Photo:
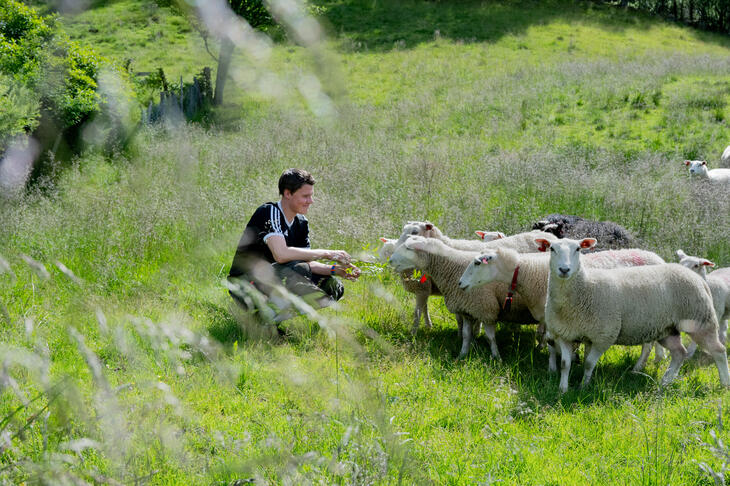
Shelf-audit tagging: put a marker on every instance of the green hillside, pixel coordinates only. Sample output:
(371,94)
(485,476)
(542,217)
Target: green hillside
(121,362)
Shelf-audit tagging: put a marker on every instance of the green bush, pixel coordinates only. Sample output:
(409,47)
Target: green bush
(68,82)
(23,35)
(58,77)
(18,109)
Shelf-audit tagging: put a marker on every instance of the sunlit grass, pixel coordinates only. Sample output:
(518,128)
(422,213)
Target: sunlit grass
(487,125)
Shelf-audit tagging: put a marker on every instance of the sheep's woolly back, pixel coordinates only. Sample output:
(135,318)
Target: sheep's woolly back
(627,306)
(521,242)
(532,278)
(609,234)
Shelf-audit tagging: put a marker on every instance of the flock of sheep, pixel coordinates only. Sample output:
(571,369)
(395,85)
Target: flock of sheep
(582,281)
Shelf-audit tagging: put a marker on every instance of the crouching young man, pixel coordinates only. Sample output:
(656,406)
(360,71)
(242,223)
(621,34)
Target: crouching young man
(274,251)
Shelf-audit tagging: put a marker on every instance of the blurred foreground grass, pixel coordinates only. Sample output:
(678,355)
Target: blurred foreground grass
(130,367)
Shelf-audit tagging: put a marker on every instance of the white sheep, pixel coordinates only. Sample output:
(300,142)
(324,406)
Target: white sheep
(627,306)
(719,283)
(527,274)
(725,159)
(422,287)
(699,168)
(445,265)
(522,242)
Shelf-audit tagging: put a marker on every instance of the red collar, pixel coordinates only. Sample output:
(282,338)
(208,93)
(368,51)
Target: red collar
(508,300)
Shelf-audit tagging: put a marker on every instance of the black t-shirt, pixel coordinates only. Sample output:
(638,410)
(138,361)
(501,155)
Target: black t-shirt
(268,220)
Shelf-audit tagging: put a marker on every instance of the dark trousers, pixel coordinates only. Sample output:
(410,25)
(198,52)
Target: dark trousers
(297,278)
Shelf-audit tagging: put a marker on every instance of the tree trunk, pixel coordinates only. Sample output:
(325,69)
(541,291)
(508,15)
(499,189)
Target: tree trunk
(224,62)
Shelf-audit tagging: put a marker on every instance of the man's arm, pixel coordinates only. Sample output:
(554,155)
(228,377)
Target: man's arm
(347,270)
(283,253)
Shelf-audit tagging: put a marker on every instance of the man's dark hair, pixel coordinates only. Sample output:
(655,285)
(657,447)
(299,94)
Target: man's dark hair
(293,179)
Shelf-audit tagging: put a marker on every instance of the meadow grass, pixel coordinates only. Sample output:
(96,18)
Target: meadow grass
(131,367)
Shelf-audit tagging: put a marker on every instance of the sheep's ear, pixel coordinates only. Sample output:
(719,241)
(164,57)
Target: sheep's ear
(680,254)
(542,244)
(500,235)
(687,163)
(707,263)
(588,243)
(704,162)
(428,226)
(383,239)
(480,234)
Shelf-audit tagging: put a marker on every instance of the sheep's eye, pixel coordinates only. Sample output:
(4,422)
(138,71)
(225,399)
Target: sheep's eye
(477,262)
(414,232)
(577,249)
(552,249)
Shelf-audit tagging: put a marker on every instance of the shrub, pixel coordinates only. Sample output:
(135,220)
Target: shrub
(18,110)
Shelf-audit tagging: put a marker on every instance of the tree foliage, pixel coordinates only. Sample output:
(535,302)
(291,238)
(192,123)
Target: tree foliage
(706,14)
(42,70)
(254,11)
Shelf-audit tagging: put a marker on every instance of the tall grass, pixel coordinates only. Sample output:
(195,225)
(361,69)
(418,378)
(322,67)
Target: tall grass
(121,361)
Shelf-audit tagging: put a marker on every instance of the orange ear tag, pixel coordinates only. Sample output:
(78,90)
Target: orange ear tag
(423,279)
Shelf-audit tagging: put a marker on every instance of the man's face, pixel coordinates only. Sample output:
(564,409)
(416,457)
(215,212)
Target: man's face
(301,199)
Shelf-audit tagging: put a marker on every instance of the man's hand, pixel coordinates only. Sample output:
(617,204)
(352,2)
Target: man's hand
(347,271)
(340,256)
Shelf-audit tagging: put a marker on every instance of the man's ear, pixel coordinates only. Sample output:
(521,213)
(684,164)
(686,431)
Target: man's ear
(542,244)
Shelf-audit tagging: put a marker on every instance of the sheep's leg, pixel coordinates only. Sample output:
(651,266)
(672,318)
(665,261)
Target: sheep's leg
(722,331)
(659,353)
(490,331)
(553,357)
(416,318)
(421,310)
(426,316)
(466,337)
(678,353)
(542,335)
(566,357)
(711,343)
(594,352)
(691,349)
(645,352)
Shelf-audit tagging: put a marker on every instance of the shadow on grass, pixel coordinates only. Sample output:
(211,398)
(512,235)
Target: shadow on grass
(527,365)
(223,326)
(383,25)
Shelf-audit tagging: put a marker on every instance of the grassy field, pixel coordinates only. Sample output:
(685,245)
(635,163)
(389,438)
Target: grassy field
(122,363)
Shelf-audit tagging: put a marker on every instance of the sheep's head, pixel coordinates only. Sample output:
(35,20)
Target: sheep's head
(490,235)
(565,255)
(387,249)
(480,271)
(696,167)
(409,255)
(696,264)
